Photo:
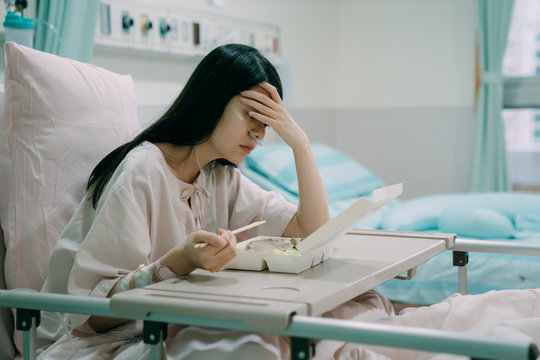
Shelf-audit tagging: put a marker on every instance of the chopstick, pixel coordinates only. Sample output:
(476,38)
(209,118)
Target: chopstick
(234,232)
(247,227)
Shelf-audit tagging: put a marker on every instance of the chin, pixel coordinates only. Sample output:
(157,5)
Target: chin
(236,160)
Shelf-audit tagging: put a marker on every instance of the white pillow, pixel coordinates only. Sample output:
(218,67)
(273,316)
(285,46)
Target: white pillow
(60,118)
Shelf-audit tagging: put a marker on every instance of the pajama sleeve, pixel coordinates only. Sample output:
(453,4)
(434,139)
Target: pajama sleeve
(116,244)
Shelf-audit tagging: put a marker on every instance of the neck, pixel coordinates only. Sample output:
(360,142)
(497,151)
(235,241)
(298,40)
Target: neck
(182,162)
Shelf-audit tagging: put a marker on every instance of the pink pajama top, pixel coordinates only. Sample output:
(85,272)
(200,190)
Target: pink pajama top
(142,213)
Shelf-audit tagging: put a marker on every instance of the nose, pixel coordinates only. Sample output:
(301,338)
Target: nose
(258,131)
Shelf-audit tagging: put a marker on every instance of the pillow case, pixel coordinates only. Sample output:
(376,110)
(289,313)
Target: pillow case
(60,118)
(423,213)
(266,184)
(343,177)
(476,223)
(527,223)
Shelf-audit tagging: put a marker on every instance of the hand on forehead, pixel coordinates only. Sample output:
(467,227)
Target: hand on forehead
(263,93)
(260,89)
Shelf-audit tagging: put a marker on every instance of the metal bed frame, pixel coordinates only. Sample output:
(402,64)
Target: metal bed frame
(302,329)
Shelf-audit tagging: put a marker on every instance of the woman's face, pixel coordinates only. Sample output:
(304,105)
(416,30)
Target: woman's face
(233,138)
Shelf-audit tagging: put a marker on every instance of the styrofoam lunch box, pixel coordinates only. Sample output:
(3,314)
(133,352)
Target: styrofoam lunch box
(317,247)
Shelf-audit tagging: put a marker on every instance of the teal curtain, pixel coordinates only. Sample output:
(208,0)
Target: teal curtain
(489,166)
(67,27)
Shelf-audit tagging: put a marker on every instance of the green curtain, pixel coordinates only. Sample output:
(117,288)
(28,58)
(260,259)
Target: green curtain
(67,27)
(489,165)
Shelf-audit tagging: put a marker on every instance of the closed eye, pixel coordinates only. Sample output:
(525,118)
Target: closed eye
(253,119)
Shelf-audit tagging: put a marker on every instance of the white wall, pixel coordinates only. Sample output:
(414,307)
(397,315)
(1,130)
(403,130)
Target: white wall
(405,90)
(414,53)
(308,34)
(390,82)
(351,53)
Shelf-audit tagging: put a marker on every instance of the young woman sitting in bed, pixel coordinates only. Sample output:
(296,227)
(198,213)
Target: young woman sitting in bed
(150,201)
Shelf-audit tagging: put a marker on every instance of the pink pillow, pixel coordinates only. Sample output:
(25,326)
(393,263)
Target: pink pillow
(60,118)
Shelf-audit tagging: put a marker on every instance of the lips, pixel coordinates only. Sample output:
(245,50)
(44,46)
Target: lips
(247,148)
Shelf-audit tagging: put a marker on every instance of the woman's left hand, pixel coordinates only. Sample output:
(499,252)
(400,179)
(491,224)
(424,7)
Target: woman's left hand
(270,110)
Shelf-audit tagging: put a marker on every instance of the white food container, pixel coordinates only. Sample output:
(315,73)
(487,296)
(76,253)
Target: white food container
(318,246)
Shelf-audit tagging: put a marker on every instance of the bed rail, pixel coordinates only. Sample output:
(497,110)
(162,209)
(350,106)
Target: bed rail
(499,247)
(301,327)
(462,247)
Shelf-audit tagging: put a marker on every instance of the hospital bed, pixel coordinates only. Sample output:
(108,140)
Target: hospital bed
(50,138)
(486,218)
(239,300)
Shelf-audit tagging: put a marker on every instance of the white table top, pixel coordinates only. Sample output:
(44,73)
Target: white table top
(265,300)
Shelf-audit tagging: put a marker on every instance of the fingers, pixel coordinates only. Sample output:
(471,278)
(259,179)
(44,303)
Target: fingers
(262,118)
(271,90)
(268,107)
(270,110)
(228,236)
(271,99)
(228,252)
(220,250)
(215,241)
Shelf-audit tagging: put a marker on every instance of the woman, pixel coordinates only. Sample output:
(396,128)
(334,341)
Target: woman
(150,201)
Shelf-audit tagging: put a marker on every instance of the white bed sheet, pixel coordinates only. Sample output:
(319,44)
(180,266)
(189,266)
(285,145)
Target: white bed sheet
(505,314)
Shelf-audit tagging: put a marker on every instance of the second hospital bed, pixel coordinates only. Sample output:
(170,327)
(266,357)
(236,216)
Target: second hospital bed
(487,218)
(51,136)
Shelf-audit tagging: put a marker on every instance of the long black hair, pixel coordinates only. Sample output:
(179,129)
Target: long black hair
(221,75)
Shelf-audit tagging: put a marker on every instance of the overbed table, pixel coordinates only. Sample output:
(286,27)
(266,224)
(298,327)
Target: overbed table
(267,301)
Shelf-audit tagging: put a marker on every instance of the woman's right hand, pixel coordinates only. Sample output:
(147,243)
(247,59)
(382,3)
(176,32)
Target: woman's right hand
(184,258)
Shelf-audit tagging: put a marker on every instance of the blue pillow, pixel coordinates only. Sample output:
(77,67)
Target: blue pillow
(419,214)
(266,184)
(422,213)
(476,223)
(343,177)
(527,223)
